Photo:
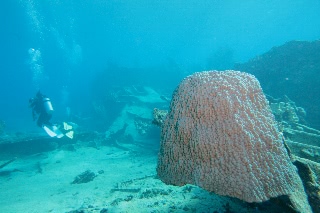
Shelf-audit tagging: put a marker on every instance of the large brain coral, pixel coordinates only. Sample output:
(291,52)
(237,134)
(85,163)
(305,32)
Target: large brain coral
(220,134)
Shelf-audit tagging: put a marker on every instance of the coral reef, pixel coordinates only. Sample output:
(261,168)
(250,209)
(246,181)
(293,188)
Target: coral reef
(220,135)
(159,116)
(291,120)
(286,111)
(291,69)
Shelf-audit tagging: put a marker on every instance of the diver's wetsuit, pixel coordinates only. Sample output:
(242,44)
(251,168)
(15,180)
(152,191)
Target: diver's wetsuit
(42,110)
(39,111)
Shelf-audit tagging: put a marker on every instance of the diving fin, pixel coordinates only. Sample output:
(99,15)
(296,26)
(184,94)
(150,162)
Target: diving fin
(69,134)
(66,126)
(53,131)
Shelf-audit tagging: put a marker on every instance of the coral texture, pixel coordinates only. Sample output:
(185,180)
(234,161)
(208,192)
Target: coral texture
(220,134)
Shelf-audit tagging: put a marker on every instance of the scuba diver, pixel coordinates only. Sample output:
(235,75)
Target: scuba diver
(42,112)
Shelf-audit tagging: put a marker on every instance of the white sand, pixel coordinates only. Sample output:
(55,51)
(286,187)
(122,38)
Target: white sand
(43,184)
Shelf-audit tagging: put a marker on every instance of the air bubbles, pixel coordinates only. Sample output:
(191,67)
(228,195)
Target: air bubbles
(35,62)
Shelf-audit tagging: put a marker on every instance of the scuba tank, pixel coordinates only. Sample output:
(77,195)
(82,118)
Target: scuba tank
(47,105)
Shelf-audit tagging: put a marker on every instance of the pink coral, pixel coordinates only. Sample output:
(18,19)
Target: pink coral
(220,134)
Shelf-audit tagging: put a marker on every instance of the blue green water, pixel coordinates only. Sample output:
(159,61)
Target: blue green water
(60,46)
(97,59)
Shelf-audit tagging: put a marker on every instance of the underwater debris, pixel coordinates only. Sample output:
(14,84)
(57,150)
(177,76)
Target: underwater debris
(131,120)
(305,135)
(6,163)
(165,98)
(121,100)
(309,179)
(113,138)
(291,120)
(116,201)
(134,125)
(150,193)
(84,177)
(26,144)
(126,190)
(141,126)
(87,210)
(125,186)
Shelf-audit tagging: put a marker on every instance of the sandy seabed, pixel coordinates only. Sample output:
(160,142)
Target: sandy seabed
(125,182)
